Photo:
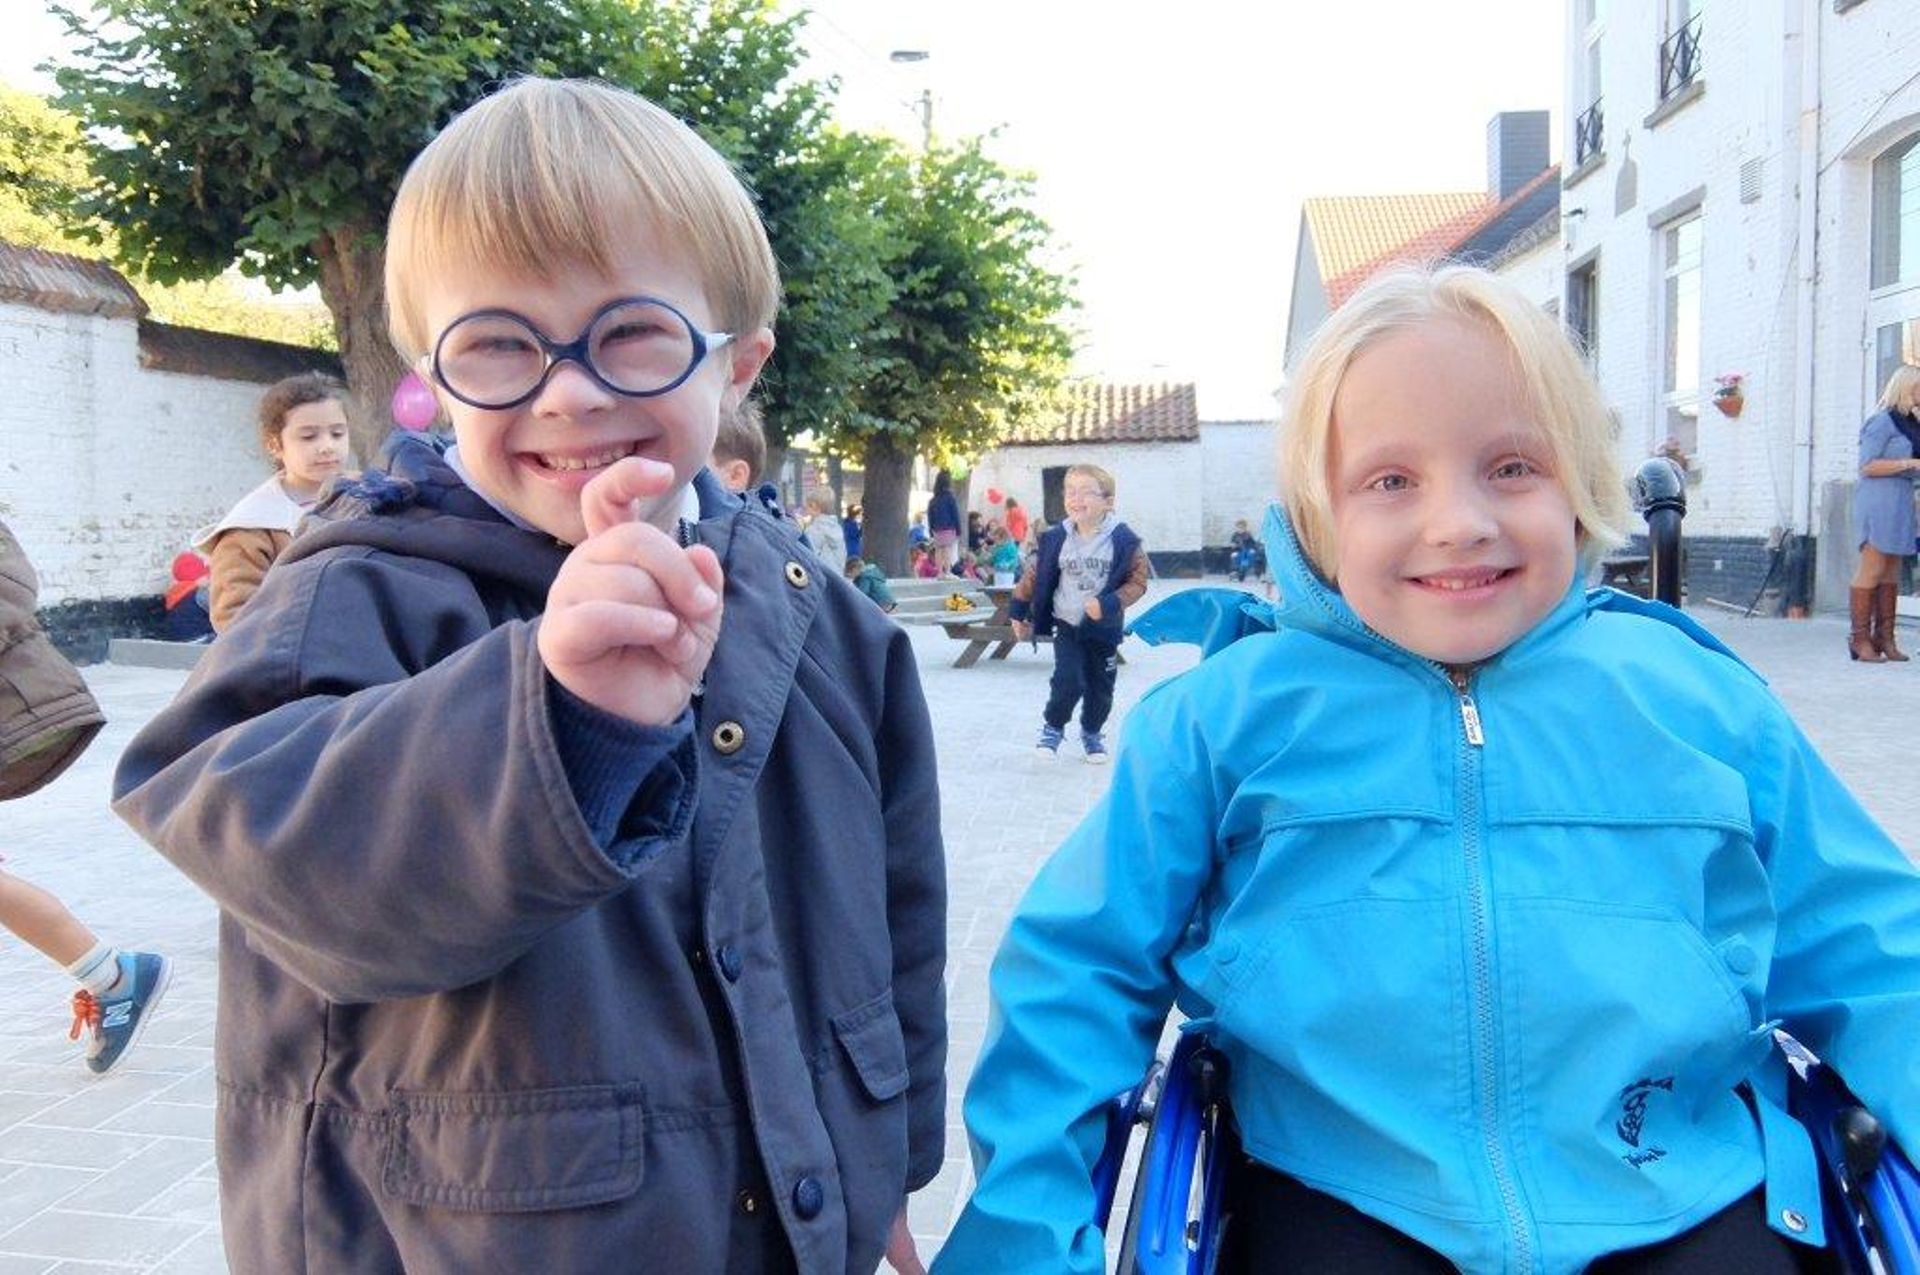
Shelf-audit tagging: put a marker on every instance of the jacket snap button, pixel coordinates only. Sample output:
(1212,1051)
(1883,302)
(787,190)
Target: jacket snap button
(797,575)
(1740,958)
(749,1203)
(729,738)
(809,1197)
(730,963)
(1793,1220)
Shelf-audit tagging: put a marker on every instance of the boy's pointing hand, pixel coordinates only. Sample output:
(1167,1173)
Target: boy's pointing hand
(632,617)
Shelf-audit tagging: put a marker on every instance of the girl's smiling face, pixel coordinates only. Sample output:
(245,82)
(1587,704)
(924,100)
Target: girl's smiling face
(1452,533)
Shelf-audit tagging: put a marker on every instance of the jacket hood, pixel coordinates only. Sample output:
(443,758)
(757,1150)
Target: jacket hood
(267,506)
(419,507)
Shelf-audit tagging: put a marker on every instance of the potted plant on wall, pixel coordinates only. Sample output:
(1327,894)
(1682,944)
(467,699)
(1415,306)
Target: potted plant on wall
(1730,392)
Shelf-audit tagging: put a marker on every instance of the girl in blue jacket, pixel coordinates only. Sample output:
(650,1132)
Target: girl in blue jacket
(1491,889)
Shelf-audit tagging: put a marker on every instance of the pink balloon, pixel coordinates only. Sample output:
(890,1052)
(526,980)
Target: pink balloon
(414,406)
(993,495)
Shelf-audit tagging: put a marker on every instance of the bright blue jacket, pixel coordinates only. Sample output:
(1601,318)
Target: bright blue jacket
(1488,963)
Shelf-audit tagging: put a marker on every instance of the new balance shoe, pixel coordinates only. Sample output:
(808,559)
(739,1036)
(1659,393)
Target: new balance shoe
(1049,742)
(1095,746)
(113,1022)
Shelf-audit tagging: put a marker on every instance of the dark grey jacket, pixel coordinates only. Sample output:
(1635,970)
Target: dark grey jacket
(460,1032)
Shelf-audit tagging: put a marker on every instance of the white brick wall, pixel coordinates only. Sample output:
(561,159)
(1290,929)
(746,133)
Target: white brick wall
(1751,275)
(106,468)
(1240,464)
(1159,486)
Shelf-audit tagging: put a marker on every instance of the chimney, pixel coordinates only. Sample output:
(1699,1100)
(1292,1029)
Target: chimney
(1516,150)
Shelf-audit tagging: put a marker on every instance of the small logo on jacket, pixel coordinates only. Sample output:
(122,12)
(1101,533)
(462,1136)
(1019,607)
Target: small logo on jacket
(1633,1118)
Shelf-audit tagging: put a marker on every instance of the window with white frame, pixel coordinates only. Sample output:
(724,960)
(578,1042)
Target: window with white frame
(1583,308)
(1893,298)
(1681,250)
(1896,215)
(1589,126)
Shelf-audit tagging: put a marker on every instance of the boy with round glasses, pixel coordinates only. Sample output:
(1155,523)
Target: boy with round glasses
(576,836)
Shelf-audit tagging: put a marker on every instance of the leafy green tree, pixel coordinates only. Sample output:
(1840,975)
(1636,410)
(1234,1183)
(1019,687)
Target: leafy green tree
(43,172)
(731,68)
(974,342)
(272,136)
(43,166)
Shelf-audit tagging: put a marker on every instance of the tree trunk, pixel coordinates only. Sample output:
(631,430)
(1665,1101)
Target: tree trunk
(888,460)
(352,265)
(775,471)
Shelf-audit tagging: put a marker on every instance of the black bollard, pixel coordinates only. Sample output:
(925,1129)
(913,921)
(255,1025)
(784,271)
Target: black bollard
(1660,493)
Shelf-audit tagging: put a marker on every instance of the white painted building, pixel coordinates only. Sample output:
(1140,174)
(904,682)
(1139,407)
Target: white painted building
(118,436)
(1743,196)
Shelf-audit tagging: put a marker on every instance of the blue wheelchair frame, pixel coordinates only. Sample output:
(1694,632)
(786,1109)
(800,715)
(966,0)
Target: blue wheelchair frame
(1177,1218)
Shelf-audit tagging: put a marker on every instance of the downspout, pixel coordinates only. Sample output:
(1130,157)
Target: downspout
(1800,584)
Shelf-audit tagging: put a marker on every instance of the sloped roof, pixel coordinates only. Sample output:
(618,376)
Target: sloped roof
(1354,235)
(1103,412)
(1520,220)
(65,284)
(193,352)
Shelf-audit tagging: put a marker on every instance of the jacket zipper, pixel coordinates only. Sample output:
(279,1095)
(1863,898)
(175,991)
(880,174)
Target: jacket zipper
(1486,1065)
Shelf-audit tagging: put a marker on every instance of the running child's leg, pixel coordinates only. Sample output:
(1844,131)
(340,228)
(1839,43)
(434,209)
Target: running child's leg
(1069,677)
(42,921)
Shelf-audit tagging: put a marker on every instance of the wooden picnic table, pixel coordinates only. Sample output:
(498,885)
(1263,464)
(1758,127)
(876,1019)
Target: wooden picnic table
(995,631)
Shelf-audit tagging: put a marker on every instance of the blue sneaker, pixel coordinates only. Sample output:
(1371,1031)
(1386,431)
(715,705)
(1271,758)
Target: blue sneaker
(1095,746)
(114,1022)
(1049,742)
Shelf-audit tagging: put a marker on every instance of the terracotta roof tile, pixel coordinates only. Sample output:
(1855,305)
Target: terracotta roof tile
(65,284)
(1352,231)
(1102,412)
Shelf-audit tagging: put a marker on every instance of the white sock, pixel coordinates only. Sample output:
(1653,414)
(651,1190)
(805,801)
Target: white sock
(99,970)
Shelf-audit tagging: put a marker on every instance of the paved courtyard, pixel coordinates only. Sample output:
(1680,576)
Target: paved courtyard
(116,1173)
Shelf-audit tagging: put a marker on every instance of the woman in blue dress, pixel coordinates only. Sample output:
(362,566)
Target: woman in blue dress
(1883,523)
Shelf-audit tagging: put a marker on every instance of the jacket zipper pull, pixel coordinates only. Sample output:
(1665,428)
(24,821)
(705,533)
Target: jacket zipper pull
(1469,712)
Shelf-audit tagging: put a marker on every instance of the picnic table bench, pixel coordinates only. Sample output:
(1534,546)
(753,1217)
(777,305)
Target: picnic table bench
(988,624)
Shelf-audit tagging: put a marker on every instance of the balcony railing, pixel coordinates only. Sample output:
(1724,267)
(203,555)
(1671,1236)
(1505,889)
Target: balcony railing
(1589,134)
(1680,58)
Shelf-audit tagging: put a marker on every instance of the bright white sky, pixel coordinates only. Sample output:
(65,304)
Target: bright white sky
(1172,149)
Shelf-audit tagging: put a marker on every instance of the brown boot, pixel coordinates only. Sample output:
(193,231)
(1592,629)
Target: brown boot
(1886,613)
(1860,645)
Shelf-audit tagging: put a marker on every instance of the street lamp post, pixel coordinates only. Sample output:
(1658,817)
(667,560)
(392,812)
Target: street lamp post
(926,96)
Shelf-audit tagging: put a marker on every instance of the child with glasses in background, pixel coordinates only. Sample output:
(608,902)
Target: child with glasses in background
(1087,570)
(539,772)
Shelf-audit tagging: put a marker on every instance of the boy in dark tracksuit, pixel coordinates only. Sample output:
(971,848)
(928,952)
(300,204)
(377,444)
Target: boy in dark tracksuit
(575,835)
(1087,571)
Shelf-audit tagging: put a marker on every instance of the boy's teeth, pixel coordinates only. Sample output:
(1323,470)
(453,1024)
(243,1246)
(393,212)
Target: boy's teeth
(587,462)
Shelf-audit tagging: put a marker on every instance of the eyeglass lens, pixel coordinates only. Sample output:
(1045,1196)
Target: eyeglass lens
(637,347)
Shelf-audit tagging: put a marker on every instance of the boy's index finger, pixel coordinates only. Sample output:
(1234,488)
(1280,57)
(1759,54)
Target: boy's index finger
(609,499)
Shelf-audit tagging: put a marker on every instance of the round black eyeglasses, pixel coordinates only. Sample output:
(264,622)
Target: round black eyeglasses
(639,347)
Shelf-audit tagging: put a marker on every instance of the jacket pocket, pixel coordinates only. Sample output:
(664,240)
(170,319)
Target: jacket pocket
(871,1035)
(514,1152)
(1634,1033)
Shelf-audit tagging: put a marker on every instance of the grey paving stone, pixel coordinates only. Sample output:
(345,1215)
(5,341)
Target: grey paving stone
(11,1265)
(93,1149)
(34,1188)
(188,1200)
(145,1176)
(201,1255)
(99,1237)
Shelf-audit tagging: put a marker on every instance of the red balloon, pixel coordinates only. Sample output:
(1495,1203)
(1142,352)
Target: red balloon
(993,495)
(414,406)
(189,566)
